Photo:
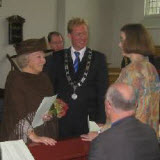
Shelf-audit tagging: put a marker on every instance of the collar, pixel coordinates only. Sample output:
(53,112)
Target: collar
(82,51)
(121,120)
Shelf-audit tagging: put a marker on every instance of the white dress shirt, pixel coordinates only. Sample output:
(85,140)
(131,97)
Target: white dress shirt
(80,51)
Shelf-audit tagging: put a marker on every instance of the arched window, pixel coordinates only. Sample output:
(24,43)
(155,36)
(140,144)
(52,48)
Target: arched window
(152,7)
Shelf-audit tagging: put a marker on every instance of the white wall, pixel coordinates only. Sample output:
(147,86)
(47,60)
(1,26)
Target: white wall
(124,11)
(40,16)
(128,11)
(105,18)
(98,15)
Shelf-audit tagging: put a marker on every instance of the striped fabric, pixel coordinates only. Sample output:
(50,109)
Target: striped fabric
(76,62)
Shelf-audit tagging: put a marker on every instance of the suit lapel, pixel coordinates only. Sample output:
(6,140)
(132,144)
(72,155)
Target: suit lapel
(70,64)
(82,65)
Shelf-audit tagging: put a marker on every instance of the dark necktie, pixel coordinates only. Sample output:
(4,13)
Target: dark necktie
(76,62)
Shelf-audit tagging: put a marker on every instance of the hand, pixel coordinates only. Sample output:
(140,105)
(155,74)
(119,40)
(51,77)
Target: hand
(89,137)
(100,125)
(44,140)
(47,117)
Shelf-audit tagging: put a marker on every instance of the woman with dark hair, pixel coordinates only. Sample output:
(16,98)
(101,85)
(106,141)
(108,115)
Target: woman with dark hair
(24,92)
(136,44)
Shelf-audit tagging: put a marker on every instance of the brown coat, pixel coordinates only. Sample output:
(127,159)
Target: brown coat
(23,95)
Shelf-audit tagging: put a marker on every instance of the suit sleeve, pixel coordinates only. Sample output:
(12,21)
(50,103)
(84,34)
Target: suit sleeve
(101,87)
(96,150)
(50,69)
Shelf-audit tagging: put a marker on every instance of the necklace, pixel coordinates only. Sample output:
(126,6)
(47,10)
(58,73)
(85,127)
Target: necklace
(75,84)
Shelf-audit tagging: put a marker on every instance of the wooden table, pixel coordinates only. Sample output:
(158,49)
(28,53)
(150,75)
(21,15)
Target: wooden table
(73,148)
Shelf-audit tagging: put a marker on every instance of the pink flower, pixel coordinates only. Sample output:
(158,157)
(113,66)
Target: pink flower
(59,108)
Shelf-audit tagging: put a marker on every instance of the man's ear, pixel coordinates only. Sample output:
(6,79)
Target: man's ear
(108,108)
(107,105)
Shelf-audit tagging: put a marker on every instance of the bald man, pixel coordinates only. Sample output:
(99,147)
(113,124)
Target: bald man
(128,138)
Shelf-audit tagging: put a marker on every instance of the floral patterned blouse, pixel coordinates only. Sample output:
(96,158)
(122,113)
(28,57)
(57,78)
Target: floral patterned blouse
(143,76)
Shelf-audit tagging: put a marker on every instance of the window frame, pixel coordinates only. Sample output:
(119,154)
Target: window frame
(151,21)
(146,12)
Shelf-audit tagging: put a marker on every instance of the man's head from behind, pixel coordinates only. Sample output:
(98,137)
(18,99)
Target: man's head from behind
(55,41)
(120,101)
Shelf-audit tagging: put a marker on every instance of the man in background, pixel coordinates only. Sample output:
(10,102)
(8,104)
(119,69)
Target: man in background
(55,41)
(128,138)
(79,77)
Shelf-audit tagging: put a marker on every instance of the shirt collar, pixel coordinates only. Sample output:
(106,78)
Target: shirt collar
(121,120)
(82,51)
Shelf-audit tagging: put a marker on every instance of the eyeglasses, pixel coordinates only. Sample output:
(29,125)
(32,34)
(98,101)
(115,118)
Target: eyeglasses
(57,43)
(80,34)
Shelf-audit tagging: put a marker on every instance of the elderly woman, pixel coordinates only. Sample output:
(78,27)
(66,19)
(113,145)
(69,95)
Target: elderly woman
(23,94)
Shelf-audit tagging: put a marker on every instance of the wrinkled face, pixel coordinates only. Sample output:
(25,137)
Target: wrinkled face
(36,61)
(122,39)
(56,43)
(79,36)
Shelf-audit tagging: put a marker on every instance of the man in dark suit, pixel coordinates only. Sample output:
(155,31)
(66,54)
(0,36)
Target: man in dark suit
(79,77)
(128,138)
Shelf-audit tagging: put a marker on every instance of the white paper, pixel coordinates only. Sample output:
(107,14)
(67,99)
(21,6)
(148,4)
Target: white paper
(15,150)
(93,126)
(43,108)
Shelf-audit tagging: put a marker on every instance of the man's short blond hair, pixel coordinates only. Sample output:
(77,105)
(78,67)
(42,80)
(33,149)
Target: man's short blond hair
(75,22)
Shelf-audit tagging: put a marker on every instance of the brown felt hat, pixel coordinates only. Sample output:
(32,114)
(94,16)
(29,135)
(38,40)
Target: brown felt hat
(30,46)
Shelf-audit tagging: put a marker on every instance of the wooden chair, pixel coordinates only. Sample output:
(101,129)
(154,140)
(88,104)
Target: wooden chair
(113,74)
(14,65)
